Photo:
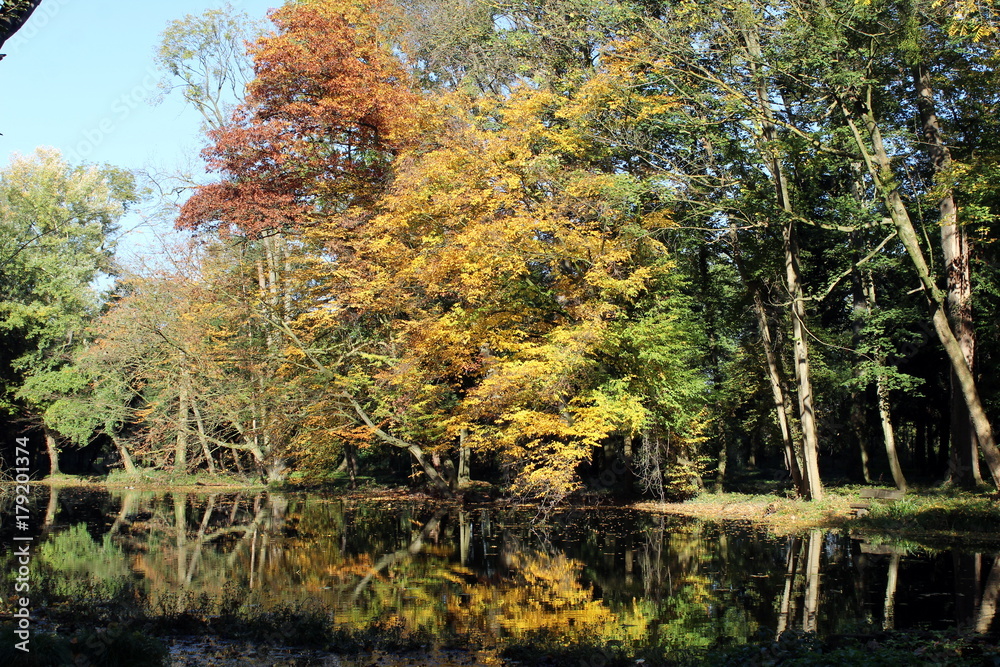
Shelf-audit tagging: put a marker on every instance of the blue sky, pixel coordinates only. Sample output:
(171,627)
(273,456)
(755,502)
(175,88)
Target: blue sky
(79,77)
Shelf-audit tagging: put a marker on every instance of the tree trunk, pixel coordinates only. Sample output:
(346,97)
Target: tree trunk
(286,291)
(860,311)
(351,458)
(791,568)
(53,451)
(968,576)
(123,453)
(878,164)
(793,277)
(51,509)
(181,445)
(464,476)
(180,525)
(778,393)
(888,434)
(810,611)
(955,247)
(269,337)
(988,605)
(885,416)
(274,300)
(205,449)
(807,414)
(415,451)
(889,605)
(464,537)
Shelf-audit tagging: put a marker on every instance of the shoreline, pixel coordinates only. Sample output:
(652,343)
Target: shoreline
(928,518)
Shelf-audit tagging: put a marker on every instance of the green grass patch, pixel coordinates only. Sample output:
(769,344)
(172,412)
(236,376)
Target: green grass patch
(938,511)
(150,477)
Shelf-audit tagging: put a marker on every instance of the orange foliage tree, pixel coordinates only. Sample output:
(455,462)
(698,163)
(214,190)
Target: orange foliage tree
(327,109)
(480,275)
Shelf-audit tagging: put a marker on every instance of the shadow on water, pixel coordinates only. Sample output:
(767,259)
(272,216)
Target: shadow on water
(605,574)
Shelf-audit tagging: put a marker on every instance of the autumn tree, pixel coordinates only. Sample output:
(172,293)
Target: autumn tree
(327,109)
(328,105)
(530,315)
(181,357)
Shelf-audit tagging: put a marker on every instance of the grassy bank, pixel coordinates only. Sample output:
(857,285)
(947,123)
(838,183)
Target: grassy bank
(150,479)
(936,516)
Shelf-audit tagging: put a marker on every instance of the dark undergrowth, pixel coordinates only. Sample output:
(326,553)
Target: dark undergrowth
(117,645)
(123,632)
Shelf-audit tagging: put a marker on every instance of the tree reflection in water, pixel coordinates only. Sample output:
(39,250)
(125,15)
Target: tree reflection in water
(596,575)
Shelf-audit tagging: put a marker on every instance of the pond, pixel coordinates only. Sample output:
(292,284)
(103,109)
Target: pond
(596,574)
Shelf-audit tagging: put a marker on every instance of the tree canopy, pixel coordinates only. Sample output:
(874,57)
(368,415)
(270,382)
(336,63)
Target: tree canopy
(559,245)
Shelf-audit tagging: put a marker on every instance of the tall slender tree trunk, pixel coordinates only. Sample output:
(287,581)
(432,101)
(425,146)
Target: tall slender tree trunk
(793,276)
(351,458)
(273,296)
(791,568)
(180,525)
(807,413)
(778,394)
(264,290)
(879,165)
(888,434)
(286,291)
(955,247)
(968,577)
(885,415)
(464,475)
(889,605)
(859,315)
(810,612)
(464,536)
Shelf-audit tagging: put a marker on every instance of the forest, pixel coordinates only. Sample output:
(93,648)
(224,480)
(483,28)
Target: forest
(542,246)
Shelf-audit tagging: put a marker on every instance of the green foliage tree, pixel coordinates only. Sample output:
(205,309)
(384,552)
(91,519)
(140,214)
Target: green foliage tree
(57,226)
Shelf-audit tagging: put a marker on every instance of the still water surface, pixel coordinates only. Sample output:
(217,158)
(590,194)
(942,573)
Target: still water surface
(600,574)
